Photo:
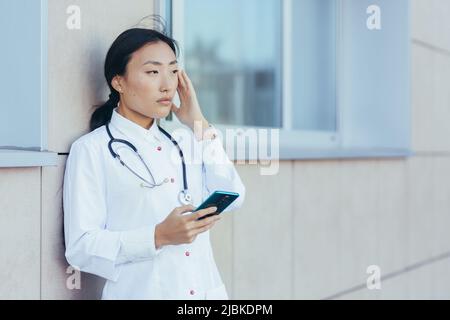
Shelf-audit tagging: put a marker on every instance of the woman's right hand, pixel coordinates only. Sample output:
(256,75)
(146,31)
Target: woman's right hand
(178,228)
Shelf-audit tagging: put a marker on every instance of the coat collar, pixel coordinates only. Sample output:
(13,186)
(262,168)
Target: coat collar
(133,130)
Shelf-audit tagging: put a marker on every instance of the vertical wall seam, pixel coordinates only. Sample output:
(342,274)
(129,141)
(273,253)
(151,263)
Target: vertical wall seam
(435,215)
(233,285)
(40,238)
(293,265)
(233,250)
(406,187)
(378,217)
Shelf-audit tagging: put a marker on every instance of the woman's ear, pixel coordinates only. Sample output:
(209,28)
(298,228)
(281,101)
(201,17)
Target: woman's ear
(116,84)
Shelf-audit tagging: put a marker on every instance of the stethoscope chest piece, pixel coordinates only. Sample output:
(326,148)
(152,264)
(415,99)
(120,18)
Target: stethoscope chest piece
(184,198)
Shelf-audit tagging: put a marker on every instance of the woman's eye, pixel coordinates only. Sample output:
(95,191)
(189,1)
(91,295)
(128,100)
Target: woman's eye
(156,72)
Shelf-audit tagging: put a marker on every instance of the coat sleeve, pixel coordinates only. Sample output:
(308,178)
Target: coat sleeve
(219,172)
(90,246)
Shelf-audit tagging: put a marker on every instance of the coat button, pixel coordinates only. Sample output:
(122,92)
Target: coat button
(159,148)
(192,292)
(187,253)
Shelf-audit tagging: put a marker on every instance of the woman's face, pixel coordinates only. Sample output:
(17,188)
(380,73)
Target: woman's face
(151,75)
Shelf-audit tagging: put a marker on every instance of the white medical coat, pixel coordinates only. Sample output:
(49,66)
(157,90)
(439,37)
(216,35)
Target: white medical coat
(109,219)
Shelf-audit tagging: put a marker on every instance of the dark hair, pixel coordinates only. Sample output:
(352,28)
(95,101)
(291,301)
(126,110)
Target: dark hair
(116,63)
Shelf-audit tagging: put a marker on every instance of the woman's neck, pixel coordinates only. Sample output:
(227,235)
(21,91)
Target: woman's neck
(132,115)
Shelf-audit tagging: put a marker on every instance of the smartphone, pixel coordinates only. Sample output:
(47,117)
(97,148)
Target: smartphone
(219,199)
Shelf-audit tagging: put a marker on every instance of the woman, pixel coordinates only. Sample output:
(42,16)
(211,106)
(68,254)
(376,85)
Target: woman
(125,218)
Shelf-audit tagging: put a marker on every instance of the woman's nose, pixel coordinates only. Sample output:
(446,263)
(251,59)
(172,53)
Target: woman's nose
(167,83)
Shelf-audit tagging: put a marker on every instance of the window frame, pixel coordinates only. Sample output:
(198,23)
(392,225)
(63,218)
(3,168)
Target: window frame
(294,144)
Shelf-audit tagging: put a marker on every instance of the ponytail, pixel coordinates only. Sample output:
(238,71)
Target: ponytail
(103,114)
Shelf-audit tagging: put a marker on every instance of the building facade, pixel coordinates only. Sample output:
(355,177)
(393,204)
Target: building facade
(310,232)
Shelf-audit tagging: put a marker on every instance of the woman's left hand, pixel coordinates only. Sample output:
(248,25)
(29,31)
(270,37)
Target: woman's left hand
(189,111)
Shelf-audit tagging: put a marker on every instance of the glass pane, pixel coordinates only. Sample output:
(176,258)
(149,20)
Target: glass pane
(20,62)
(233,55)
(314,64)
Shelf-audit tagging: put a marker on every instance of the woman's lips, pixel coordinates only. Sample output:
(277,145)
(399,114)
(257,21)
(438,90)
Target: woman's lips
(165,102)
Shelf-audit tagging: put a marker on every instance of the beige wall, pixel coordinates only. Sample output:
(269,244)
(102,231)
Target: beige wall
(31,230)
(309,232)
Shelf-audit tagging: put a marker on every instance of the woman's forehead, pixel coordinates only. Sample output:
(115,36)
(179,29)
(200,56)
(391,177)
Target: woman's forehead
(155,53)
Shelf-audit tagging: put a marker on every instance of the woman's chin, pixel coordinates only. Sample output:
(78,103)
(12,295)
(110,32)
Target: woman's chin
(162,113)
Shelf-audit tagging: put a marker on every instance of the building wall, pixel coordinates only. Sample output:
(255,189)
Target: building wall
(309,232)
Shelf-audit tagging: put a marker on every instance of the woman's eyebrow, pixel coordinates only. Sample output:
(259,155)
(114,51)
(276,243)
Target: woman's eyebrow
(159,63)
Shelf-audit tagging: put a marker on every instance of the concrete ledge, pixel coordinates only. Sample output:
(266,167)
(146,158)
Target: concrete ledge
(25,158)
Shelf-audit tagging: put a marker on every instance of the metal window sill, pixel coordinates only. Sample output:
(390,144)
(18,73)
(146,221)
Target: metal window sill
(350,153)
(298,153)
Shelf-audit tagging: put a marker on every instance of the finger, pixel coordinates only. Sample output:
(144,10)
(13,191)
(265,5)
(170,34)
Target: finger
(207,221)
(201,223)
(180,88)
(198,214)
(181,80)
(185,77)
(187,81)
(203,229)
(206,212)
(186,208)
(174,108)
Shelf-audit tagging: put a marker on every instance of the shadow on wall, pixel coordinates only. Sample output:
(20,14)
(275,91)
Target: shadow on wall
(95,76)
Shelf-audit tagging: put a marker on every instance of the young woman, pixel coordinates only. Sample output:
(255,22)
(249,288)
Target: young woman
(129,197)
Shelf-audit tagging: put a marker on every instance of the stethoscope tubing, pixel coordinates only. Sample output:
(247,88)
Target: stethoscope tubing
(112,140)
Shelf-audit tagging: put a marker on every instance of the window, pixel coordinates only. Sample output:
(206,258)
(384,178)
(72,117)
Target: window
(234,58)
(314,65)
(315,69)
(24,85)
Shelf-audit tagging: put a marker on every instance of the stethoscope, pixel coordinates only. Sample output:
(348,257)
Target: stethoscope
(184,197)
